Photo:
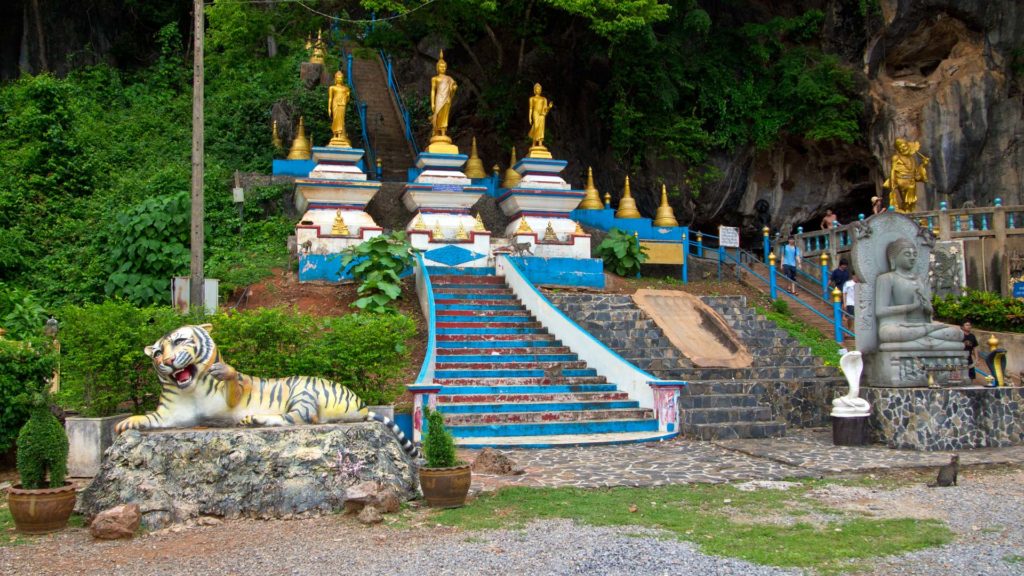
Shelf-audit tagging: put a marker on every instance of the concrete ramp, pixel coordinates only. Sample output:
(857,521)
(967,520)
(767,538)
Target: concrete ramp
(694,328)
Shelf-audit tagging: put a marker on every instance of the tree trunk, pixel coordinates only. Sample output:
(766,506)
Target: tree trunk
(40,39)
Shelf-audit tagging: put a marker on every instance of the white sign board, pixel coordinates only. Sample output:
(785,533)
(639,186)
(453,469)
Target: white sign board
(728,237)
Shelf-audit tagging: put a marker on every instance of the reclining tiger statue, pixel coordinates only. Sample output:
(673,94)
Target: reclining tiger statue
(200,388)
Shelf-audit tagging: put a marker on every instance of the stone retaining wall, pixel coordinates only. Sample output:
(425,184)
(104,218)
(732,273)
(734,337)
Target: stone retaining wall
(801,404)
(946,418)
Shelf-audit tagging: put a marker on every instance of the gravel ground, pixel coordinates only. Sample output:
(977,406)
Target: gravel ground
(985,511)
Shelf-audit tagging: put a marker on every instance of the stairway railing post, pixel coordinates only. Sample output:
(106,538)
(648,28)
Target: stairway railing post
(824,276)
(766,248)
(686,258)
(721,260)
(837,314)
(772,281)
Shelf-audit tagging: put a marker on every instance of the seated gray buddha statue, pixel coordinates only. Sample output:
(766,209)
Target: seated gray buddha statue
(903,306)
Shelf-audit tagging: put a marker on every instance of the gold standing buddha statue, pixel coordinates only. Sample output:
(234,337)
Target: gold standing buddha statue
(539,108)
(442,92)
(337,101)
(904,174)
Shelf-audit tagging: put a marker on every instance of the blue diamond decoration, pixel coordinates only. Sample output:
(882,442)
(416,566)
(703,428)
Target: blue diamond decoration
(452,255)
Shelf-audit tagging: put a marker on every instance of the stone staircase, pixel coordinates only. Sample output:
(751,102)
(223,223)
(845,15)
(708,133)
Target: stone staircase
(507,382)
(717,402)
(384,122)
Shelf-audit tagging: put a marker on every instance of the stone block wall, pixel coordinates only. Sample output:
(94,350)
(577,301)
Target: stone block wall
(946,418)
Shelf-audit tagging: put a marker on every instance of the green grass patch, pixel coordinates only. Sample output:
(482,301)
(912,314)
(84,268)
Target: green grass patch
(713,516)
(823,347)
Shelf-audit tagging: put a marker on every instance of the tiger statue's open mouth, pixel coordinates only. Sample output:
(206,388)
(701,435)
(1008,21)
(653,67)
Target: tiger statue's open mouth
(184,376)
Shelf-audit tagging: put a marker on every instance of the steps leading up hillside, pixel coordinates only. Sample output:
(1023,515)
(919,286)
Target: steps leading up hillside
(384,122)
(507,382)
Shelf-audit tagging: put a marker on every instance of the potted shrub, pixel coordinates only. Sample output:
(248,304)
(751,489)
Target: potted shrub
(444,480)
(43,501)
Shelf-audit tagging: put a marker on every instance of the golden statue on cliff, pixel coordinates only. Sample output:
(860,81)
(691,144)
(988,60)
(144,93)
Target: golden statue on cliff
(904,174)
(442,92)
(337,102)
(539,108)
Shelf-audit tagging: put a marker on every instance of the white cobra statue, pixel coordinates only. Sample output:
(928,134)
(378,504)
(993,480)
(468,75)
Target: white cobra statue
(851,404)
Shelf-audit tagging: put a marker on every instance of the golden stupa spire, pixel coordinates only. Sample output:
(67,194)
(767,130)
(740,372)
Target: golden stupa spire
(339,226)
(579,230)
(318,49)
(591,198)
(475,166)
(300,146)
(665,216)
(549,233)
(524,226)
(479,226)
(512,177)
(419,224)
(627,205)
(275,137)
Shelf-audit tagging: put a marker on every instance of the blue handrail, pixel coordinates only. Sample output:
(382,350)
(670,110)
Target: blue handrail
(397,95)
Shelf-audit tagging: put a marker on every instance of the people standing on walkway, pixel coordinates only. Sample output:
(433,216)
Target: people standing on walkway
(829,221)
(850,300)
(877,206)
(791,260)
(970,343)
(840,275)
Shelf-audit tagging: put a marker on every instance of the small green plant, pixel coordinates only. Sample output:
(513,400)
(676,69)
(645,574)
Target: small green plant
(377,265)
(438,445)
(621,252)
(42,444)
(780,306)
(825,348)
(22,364)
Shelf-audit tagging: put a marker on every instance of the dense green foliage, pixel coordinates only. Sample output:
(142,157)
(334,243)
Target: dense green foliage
(25,369)
(42,459)
(622,252)
(438,444)
(377,264)
(21,313)
(105,369)
(985,310)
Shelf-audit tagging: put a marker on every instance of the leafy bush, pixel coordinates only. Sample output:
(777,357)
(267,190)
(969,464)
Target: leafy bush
(42,450)
(104,365)
(438,444)
(25,368)
(20,313)
(622,253)
(780,306)
(377,265)
(986,310)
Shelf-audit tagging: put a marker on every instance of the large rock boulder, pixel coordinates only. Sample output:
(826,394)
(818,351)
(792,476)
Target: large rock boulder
(177,475)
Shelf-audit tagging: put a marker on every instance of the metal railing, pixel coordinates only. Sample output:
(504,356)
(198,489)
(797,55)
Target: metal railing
(369,144)
(396,93)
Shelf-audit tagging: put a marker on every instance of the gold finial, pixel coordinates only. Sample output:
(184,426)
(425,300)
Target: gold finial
(318,49)
(479,226)
(339,226)
(419,224)
(438,233)
(275,137)
(461,234)
(700,236)
(524,226)
(475,166)
(824,258)
(512,177)
(766,231)
(440,57)
(549,233)
(627,205)
(837,296)
(579,230)
(771,258)
(665,216)
(300,149)
(607,199)
(496,169)
(993,343)
(591,197)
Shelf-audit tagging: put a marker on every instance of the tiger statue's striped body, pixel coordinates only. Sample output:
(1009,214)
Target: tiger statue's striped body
(200,388)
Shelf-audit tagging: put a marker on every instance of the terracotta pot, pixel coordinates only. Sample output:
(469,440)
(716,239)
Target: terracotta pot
(41,511)
(446,487)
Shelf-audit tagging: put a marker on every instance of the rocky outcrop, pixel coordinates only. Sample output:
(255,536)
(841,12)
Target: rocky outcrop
(177,475)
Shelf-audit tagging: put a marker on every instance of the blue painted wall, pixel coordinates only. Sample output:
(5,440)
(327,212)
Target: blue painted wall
(588,272)
(298,168)
(644,227)
(327,267)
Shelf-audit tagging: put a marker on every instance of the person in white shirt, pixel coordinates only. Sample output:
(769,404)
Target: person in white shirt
(850,299)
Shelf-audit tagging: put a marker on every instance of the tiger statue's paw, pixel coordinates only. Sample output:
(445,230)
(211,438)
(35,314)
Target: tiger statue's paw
(131,423)
(221,371)
(251,420)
